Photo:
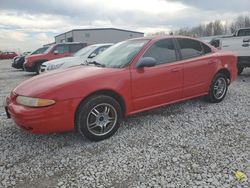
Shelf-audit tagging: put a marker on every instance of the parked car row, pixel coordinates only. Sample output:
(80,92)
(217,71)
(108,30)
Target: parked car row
(57,56)
(80,57)
(34,62)
(129,77)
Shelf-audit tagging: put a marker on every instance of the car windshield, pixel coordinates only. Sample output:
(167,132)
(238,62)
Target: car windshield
(120,54)
(40,50)
(85,51)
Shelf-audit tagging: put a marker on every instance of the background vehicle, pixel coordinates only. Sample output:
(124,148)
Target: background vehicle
(127,78)
(19,60)
(79,57)
(33,62)
(7,55)
(239,43)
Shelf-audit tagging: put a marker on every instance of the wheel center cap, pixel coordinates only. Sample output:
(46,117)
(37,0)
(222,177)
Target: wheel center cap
(101,118)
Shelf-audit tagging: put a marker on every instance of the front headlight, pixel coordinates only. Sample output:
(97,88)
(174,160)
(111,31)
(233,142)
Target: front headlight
(34,102)
(54,66)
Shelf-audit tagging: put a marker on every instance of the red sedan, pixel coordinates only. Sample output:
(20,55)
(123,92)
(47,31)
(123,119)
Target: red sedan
(7,55)
(129,77)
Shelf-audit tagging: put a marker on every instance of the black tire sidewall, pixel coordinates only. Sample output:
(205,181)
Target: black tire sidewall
(84,109)
(211,97)
(38,67)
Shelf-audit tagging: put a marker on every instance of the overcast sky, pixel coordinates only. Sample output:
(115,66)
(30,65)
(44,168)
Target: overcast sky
(28,24)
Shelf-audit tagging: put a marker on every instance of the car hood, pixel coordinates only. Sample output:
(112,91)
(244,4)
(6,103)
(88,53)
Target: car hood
(64,60)
(46,84)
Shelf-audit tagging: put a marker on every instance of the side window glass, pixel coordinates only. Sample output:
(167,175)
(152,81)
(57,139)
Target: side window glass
(60,49)
(66,48)
(163,51)
(206,48)
(190,48)
(75,47)
(100,50)
(215,43)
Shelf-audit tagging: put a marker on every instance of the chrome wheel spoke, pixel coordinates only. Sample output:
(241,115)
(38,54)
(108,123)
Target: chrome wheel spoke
(106,110)
(95,112)
(101,119)
(93,125)
(220,88)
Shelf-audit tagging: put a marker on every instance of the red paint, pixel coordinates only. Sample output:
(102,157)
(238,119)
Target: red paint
(141,89)
(7,55)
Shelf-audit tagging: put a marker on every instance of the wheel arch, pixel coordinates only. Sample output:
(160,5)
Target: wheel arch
(107,92)
(39,61)
(226,72)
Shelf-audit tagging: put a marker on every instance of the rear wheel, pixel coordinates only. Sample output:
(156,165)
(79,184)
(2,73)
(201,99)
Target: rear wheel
(98,117)
(218,88)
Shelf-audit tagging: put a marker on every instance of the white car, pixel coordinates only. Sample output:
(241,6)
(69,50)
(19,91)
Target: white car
(80,57)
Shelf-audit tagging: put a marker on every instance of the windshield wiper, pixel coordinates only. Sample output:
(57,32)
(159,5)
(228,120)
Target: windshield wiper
(95,63)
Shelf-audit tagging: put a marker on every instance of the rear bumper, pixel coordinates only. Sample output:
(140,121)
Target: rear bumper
(55,118)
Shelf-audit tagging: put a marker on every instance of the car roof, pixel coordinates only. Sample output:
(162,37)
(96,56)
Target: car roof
(101,44)
(164,37)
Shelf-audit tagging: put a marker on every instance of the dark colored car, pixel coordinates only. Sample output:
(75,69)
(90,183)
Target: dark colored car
(130,77)
(7,55)
(19,60)
(33,62)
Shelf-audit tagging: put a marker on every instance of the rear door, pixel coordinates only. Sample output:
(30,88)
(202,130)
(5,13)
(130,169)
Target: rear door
(153,86)
(198,66)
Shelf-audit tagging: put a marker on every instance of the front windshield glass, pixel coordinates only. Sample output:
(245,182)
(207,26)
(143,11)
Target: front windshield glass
(120,54)
(40,50)
(84,51)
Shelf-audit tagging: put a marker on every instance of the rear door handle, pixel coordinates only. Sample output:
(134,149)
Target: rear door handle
(175,70)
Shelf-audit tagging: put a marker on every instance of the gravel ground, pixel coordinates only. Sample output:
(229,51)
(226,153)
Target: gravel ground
(189,144)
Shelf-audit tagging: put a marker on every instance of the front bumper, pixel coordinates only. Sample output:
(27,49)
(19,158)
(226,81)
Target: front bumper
(56,118)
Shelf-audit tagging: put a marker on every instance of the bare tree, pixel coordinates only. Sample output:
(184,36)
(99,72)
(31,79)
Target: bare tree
(211,28)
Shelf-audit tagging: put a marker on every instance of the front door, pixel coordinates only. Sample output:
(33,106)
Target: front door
(161,84)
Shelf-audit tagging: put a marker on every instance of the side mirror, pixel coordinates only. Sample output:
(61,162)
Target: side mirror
(92,55)
(56,52)
(146,62)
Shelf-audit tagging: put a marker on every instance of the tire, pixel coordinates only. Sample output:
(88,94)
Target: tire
(218,88)
(240,70)
(38,68)
(98,117)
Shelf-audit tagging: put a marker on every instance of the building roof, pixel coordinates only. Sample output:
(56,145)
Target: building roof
(94,29)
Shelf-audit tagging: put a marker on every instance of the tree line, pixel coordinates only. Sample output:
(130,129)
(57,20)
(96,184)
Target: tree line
(212,28)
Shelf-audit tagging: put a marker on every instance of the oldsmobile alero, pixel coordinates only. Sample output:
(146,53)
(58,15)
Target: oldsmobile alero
(129,77)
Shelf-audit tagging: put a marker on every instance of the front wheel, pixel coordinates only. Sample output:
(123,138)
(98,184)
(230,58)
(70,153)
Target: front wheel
(38,68)
(98,117)
(218,88)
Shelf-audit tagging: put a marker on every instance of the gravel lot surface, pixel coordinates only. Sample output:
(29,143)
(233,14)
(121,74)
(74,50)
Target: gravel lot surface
(189,144)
